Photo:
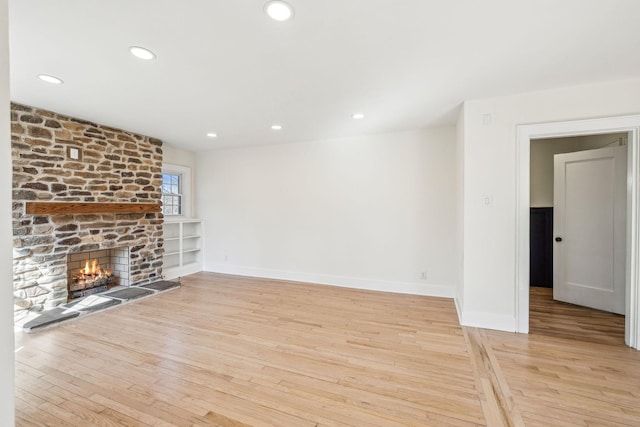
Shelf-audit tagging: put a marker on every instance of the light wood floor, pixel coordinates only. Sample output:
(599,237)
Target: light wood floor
(560,320)
(573,369)
(233,352)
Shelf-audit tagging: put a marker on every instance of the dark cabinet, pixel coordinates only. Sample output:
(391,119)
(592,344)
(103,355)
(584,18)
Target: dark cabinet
(541,247)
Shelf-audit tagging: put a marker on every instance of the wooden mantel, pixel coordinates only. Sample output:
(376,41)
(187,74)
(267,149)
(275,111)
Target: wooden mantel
(74,208)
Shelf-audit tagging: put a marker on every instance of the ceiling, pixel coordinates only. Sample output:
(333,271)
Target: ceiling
(225,67)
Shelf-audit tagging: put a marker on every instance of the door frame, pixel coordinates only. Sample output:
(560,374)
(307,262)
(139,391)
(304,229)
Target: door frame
(525,133)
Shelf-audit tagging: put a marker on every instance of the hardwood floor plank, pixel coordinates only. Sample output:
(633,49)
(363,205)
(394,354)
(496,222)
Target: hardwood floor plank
(239,350)
(561,320)
(112,415)
(35,415)
(234,351)
(221,421)
(572,369)
(498,399)
(139,413)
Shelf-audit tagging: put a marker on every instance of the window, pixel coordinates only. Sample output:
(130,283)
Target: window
(171,194)
(176,191)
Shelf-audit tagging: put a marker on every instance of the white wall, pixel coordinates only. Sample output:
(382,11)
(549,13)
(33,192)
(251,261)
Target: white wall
(542,152)
(178,156)
(490,169)
(6,295)
(371,212)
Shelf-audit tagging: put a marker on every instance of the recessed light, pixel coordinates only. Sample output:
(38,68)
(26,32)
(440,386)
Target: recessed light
(212,135)
(276,127)
(50,79)
(279,10)
(358,116)
(142,53)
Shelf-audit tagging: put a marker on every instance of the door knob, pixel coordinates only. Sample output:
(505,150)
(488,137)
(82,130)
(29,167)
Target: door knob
(558,239)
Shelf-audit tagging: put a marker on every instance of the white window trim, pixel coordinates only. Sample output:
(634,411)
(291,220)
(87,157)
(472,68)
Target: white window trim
(185,177)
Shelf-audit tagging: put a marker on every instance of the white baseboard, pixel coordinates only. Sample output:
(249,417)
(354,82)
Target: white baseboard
(175,272)
(413,288)
(476,319)
(458,303)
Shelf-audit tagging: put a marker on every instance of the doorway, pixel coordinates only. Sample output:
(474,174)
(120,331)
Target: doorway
(630,126)
(589,212)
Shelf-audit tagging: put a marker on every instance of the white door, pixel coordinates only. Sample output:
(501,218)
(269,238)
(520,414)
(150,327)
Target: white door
(589,216)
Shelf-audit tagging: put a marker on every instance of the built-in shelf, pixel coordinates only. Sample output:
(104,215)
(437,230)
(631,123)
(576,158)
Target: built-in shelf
(183,247)
(74,208)
(178,238)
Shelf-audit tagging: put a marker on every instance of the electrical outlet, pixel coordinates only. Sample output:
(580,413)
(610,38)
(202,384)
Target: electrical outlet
(487,200)
(423,275)
(226,258)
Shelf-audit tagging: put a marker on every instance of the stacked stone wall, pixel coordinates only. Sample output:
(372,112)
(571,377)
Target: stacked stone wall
(114,166)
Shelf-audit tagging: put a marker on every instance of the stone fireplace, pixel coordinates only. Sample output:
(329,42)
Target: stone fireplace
(62,159)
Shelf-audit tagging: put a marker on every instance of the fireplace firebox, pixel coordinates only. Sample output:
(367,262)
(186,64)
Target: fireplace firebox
(97,271)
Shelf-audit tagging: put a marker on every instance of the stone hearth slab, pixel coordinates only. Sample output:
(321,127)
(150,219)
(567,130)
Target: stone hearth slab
(93,303)
(128,293)
(49,317)
(161,286)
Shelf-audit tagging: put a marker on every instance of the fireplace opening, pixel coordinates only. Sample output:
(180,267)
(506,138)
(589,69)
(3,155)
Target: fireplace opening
(96,271)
